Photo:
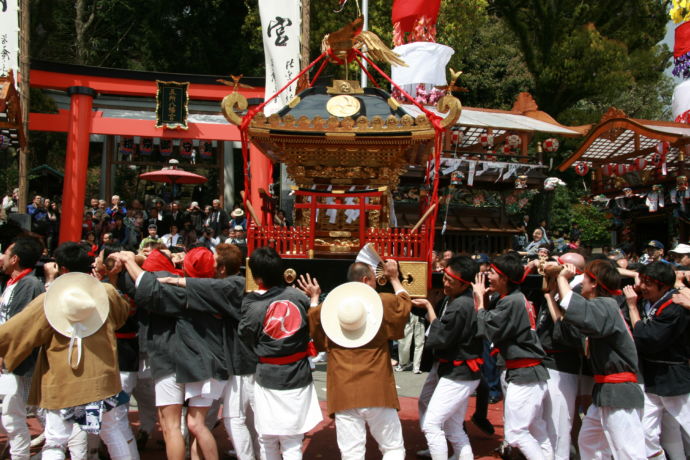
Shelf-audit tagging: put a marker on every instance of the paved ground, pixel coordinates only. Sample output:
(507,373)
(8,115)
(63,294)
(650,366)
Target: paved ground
(320,443)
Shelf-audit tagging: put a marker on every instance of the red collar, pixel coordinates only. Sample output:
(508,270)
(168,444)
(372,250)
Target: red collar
(21,275)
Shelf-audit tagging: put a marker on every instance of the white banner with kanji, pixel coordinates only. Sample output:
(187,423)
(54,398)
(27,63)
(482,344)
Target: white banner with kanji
(281,23)
(9,37)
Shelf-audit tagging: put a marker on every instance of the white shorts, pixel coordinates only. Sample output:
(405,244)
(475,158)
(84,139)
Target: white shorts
(203,393)
(169,392)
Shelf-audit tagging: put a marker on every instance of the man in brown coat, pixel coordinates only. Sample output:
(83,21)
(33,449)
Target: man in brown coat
(360,384)
(76,369)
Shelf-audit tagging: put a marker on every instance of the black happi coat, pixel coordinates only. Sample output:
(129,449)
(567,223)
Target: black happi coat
(453,337)
(510,325)
(663,348)
(257,311)
(224,297)
(611,349)
(561,342)
(197,346)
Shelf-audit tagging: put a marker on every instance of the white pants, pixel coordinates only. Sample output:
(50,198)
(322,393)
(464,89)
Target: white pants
(655,407)
(238,415)
(413,329)
(559,410)
(445,416)
(14,417)
(525,427)
(58,432)
(129,380)
(384,424)
(277,447)
(606,431)
(427,392)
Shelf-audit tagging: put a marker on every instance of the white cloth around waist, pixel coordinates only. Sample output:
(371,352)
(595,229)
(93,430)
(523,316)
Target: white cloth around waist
(286,412)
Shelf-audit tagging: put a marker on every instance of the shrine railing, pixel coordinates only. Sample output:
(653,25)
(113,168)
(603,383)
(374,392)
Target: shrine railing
(298,242)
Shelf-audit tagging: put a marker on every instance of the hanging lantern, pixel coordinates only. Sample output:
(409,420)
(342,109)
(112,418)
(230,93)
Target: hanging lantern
(456,178)
(521,182)
(639,164)
(682,183)
(513,141)
(487,140)
(146,146)
(456,137)
(506,149)
(551,144)
(166,147)
(581,168)
(663,147)
(127,145)
(619,169)
(607,169)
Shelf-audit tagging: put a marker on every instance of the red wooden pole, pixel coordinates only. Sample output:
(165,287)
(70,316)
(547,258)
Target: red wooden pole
(76,162)
(261,170)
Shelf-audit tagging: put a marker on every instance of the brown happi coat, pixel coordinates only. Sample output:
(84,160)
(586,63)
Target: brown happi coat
(363,377)
(55,385)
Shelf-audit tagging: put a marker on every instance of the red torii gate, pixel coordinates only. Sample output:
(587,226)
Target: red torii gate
(82,84)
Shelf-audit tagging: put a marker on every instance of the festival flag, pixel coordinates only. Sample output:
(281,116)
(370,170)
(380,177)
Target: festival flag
(166,147)
(281,24)
(126,145)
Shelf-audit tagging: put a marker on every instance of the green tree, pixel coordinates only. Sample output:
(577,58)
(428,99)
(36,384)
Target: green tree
(587,50)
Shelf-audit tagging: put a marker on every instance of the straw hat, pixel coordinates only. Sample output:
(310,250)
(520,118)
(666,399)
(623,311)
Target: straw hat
(76,305)
(237,213)
(351,314)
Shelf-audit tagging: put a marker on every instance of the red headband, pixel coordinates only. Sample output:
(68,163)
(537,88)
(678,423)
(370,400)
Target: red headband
(603,286)
(498,270)
(453,275)
(199,263)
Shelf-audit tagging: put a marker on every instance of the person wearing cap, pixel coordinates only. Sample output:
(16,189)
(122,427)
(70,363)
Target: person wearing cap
(74,326)
(274,326)
(510,325)
(223,296)
(200,369)
(195,216)
(655,252)
(354,325)
(612,425)
(619,256)
(18,263)
(456,372)
(238,237)
(659,326)
(152,236)
(238,218)
(682,253)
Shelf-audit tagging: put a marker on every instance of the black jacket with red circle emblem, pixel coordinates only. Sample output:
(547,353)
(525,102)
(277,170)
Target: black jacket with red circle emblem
(274,324)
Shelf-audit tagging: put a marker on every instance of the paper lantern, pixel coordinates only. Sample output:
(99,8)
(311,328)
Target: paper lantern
(166,147)
(551,145)
(456,137)
(663,147)
(186,147)
(639,164)
(146,146)
(521,182)
(513,141)
(506,149)
(127,145)
(607,169)
(456,178)
(619,169)
(581,168)
(487,140)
